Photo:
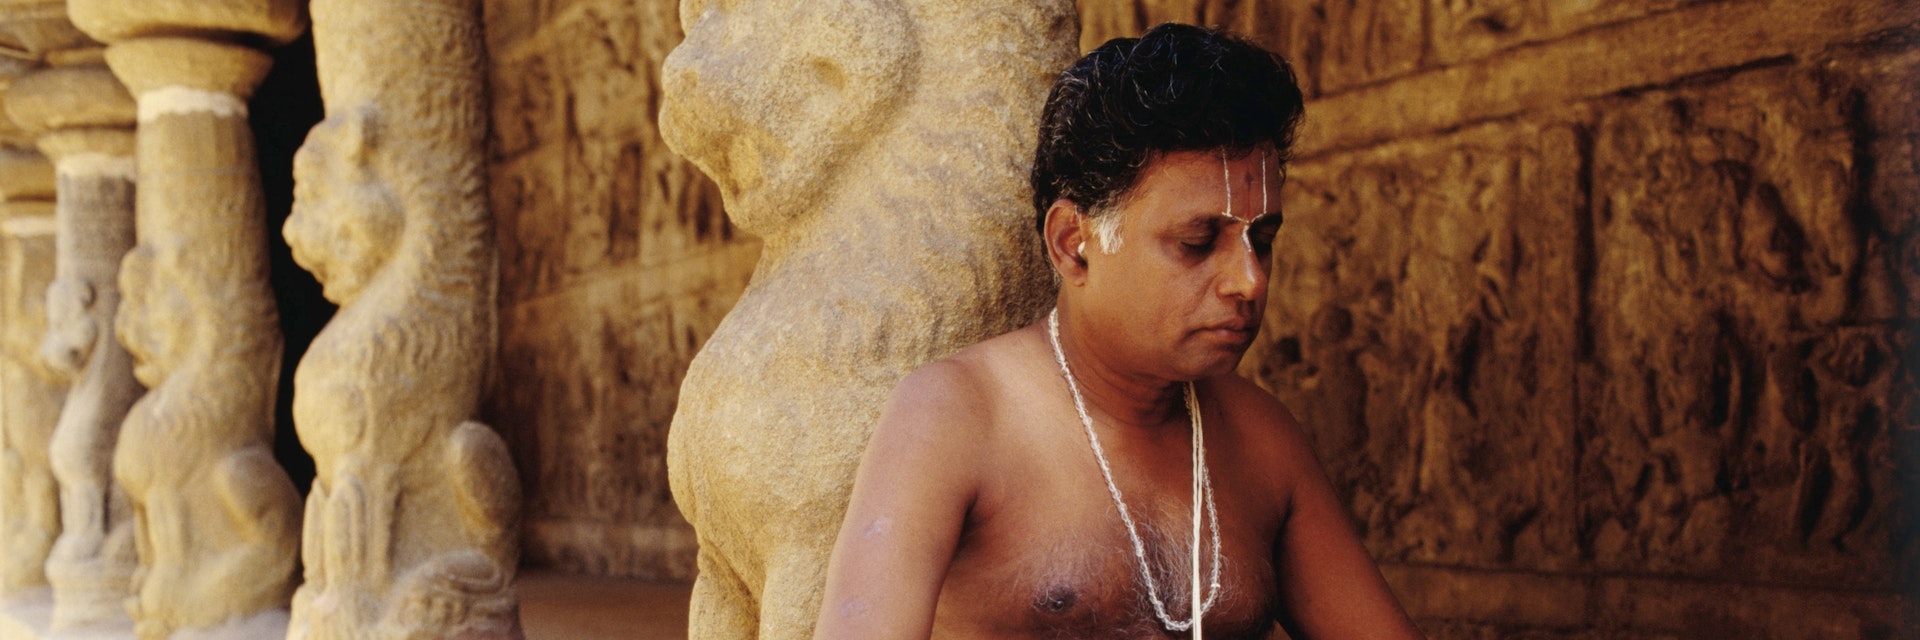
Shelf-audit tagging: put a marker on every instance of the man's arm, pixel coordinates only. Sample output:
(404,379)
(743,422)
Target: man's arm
(909,502)
(1329,586)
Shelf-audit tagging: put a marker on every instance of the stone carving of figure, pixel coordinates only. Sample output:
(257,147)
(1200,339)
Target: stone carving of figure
(30,393)
(880,148)
(411,526)
(84,118)
(217,520)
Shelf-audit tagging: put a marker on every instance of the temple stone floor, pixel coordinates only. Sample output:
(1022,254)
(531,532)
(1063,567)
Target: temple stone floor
(564,607)
(552,607)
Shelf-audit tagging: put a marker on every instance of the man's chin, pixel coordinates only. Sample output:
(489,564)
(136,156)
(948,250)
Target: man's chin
(1215,364)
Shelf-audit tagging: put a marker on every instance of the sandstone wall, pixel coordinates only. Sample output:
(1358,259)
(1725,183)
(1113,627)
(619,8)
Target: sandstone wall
(616,263)
(1603,314)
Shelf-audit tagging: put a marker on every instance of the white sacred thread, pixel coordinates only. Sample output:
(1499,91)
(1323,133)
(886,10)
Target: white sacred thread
(1202,488)
(1199,471)
(178,100)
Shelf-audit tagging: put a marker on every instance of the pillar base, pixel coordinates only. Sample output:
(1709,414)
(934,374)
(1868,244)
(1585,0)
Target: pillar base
(28,615)
(88,592)
(266,625)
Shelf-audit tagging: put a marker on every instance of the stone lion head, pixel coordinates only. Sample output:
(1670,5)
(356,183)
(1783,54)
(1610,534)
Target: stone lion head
(771,98)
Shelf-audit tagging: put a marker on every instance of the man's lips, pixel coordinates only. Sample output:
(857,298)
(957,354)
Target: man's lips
(1240,324)
(1234,330)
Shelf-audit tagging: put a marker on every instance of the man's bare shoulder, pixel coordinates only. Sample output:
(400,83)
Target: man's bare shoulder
(961,391)
(1263,425)
(978,373)
(1261,408)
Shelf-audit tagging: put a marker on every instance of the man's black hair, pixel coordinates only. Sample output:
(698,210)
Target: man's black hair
(1177,88)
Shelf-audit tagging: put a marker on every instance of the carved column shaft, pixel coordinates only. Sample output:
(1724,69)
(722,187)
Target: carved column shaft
(218,518)
(861,192)
(411,525)
(83,120)
(30,394)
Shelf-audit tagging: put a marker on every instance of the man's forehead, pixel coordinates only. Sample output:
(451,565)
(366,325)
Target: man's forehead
(1193,186)
(1206,165)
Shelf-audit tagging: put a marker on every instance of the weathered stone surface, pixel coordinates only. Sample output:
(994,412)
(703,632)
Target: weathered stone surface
(1710,285)
(411,528)
(1465,30)
(25,176)
(256,20)
(76,97)
(880,150)
(38,27)
(1103,20)
(602,366)
(586,188)
(1357,42)
(616,264)
(82,119)
(1663,48)
(1527,604)
(218,520)
(1685,610)
(29,410)
(30,392)
(1421,325)
(1892,177)
(1333,45)
(1737,410)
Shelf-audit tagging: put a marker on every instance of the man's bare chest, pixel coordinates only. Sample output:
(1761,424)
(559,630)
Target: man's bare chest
(1054,560)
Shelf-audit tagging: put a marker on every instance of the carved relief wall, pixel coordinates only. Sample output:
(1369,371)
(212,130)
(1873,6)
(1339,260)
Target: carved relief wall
(1602,314)
(616,264)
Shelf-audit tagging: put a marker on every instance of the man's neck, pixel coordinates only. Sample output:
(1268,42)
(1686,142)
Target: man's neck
(1125,396)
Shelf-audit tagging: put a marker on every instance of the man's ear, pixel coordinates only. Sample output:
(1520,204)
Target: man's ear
(1066,234)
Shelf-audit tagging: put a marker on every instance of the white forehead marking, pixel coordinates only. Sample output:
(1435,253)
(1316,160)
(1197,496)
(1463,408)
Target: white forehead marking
(1226,180)
(1246,232)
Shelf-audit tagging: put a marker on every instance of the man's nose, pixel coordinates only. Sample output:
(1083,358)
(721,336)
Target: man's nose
(1245,274)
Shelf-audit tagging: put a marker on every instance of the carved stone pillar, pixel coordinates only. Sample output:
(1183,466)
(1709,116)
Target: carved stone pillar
(879,148)
(30,392)
(83,120)
(218,519)
(412,523)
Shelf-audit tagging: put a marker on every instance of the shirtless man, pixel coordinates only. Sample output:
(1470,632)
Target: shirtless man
(988,501)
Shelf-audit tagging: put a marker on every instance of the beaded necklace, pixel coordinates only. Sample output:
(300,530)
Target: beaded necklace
(1202,493)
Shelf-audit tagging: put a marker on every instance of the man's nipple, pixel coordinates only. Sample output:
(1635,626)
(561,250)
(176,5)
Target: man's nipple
(1056,599)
